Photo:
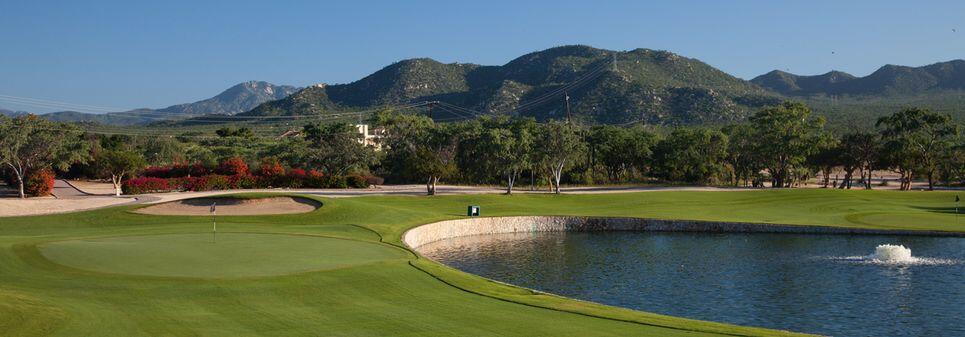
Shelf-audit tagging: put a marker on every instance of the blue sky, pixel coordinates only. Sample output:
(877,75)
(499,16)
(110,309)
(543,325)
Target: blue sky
(128,54)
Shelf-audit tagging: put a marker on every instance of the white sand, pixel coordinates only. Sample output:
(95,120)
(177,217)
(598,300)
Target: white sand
(230,206)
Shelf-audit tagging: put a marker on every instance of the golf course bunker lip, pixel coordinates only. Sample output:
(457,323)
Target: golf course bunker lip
(225,256)
(234,206)
(428,233)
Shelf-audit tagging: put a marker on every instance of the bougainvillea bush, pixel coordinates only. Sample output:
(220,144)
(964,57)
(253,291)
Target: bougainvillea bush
(234,173)
(39,183)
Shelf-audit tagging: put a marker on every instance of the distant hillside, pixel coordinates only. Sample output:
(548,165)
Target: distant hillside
(239,98)
(851,102)
(11,113)
(889,80)
(604,86)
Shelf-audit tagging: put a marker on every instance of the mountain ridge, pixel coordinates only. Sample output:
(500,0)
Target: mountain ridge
(236,99)
(604,86)
(888,80)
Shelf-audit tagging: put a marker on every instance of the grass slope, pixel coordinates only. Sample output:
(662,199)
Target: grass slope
(401,295)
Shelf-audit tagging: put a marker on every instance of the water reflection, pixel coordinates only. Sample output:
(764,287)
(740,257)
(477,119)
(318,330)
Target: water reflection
(808,283)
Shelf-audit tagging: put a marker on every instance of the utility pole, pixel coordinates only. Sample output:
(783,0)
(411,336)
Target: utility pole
(429,105)
(614,62)
(566,99)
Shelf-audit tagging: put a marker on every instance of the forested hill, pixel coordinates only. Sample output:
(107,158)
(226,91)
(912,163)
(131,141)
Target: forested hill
(603,86)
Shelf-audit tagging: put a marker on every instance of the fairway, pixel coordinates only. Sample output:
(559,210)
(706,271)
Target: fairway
(340,270)
(200,255)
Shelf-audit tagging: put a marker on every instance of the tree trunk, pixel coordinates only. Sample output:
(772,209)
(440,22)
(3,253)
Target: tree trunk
(827,177)
(931,180)
(117,184)
(557,176)
(511,179)
(430,187)
(532,179)
(20,182)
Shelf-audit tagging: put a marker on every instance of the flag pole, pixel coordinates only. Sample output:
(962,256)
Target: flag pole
(214,224)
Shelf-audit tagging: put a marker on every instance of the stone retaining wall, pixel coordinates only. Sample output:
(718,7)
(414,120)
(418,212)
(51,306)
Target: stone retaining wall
(442,230)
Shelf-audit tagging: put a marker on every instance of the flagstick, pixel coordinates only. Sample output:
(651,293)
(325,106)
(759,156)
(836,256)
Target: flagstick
(214,229)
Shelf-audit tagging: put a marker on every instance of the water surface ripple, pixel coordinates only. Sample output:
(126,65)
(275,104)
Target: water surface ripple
(824,284)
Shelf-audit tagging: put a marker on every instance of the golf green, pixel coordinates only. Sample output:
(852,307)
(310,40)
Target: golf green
(230,255)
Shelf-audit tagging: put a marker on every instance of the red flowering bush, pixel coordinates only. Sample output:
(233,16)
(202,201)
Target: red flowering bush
(234,173)
(245,181)
(234,166)
(39,183)
(177,171)
(271,168)
(143,185)
(315,179)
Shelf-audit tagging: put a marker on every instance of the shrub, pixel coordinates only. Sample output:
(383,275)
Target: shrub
(234,166)
(143,185)
(217,182)
(198,169)
(245,181)
(374,180)
(294,179)
(207,183)
(336,182)
(177,171)
(315,179)
(271,167)
(39,183)
(356,181)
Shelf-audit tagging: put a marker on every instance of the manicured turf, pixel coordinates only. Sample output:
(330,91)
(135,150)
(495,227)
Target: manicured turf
(398,293)
(225,255)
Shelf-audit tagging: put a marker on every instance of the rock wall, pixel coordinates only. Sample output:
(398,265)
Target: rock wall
(442,230)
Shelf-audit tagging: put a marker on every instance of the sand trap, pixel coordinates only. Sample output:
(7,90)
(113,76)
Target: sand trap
(234,206)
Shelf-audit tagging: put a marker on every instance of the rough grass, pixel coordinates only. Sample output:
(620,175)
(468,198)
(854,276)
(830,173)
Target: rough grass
(403,295)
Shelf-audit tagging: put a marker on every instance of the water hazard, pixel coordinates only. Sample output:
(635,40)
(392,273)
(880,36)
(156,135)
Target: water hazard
(835,285)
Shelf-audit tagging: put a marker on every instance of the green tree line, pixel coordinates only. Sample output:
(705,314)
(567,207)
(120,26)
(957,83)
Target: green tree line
(779,146)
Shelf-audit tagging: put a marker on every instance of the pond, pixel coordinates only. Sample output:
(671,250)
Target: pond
(839,285)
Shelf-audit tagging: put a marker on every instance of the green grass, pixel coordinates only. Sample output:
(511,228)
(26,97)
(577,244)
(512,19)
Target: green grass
(367,285)
(225,255)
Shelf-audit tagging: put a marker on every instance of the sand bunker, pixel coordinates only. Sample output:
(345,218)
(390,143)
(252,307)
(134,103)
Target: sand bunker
(234,206)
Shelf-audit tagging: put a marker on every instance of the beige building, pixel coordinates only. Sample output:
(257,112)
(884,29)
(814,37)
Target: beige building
(371,136)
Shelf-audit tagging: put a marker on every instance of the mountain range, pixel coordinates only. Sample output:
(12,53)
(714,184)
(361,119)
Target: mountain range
(622,87)
(583,83)
(239,98)
(889,80)
(603,86)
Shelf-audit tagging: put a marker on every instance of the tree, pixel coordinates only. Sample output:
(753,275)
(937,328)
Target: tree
(29,143)
(118,164)
(558,144)
(691,155)
(337,148)
(507,147)
(916,139)
(434,157)
(864,149)
(232,132)
(952,168)
(742,152)
(403,134)
(786,135)
(620,150)
(826,158)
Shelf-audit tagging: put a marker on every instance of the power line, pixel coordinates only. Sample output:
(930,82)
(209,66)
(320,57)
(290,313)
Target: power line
(60,104)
